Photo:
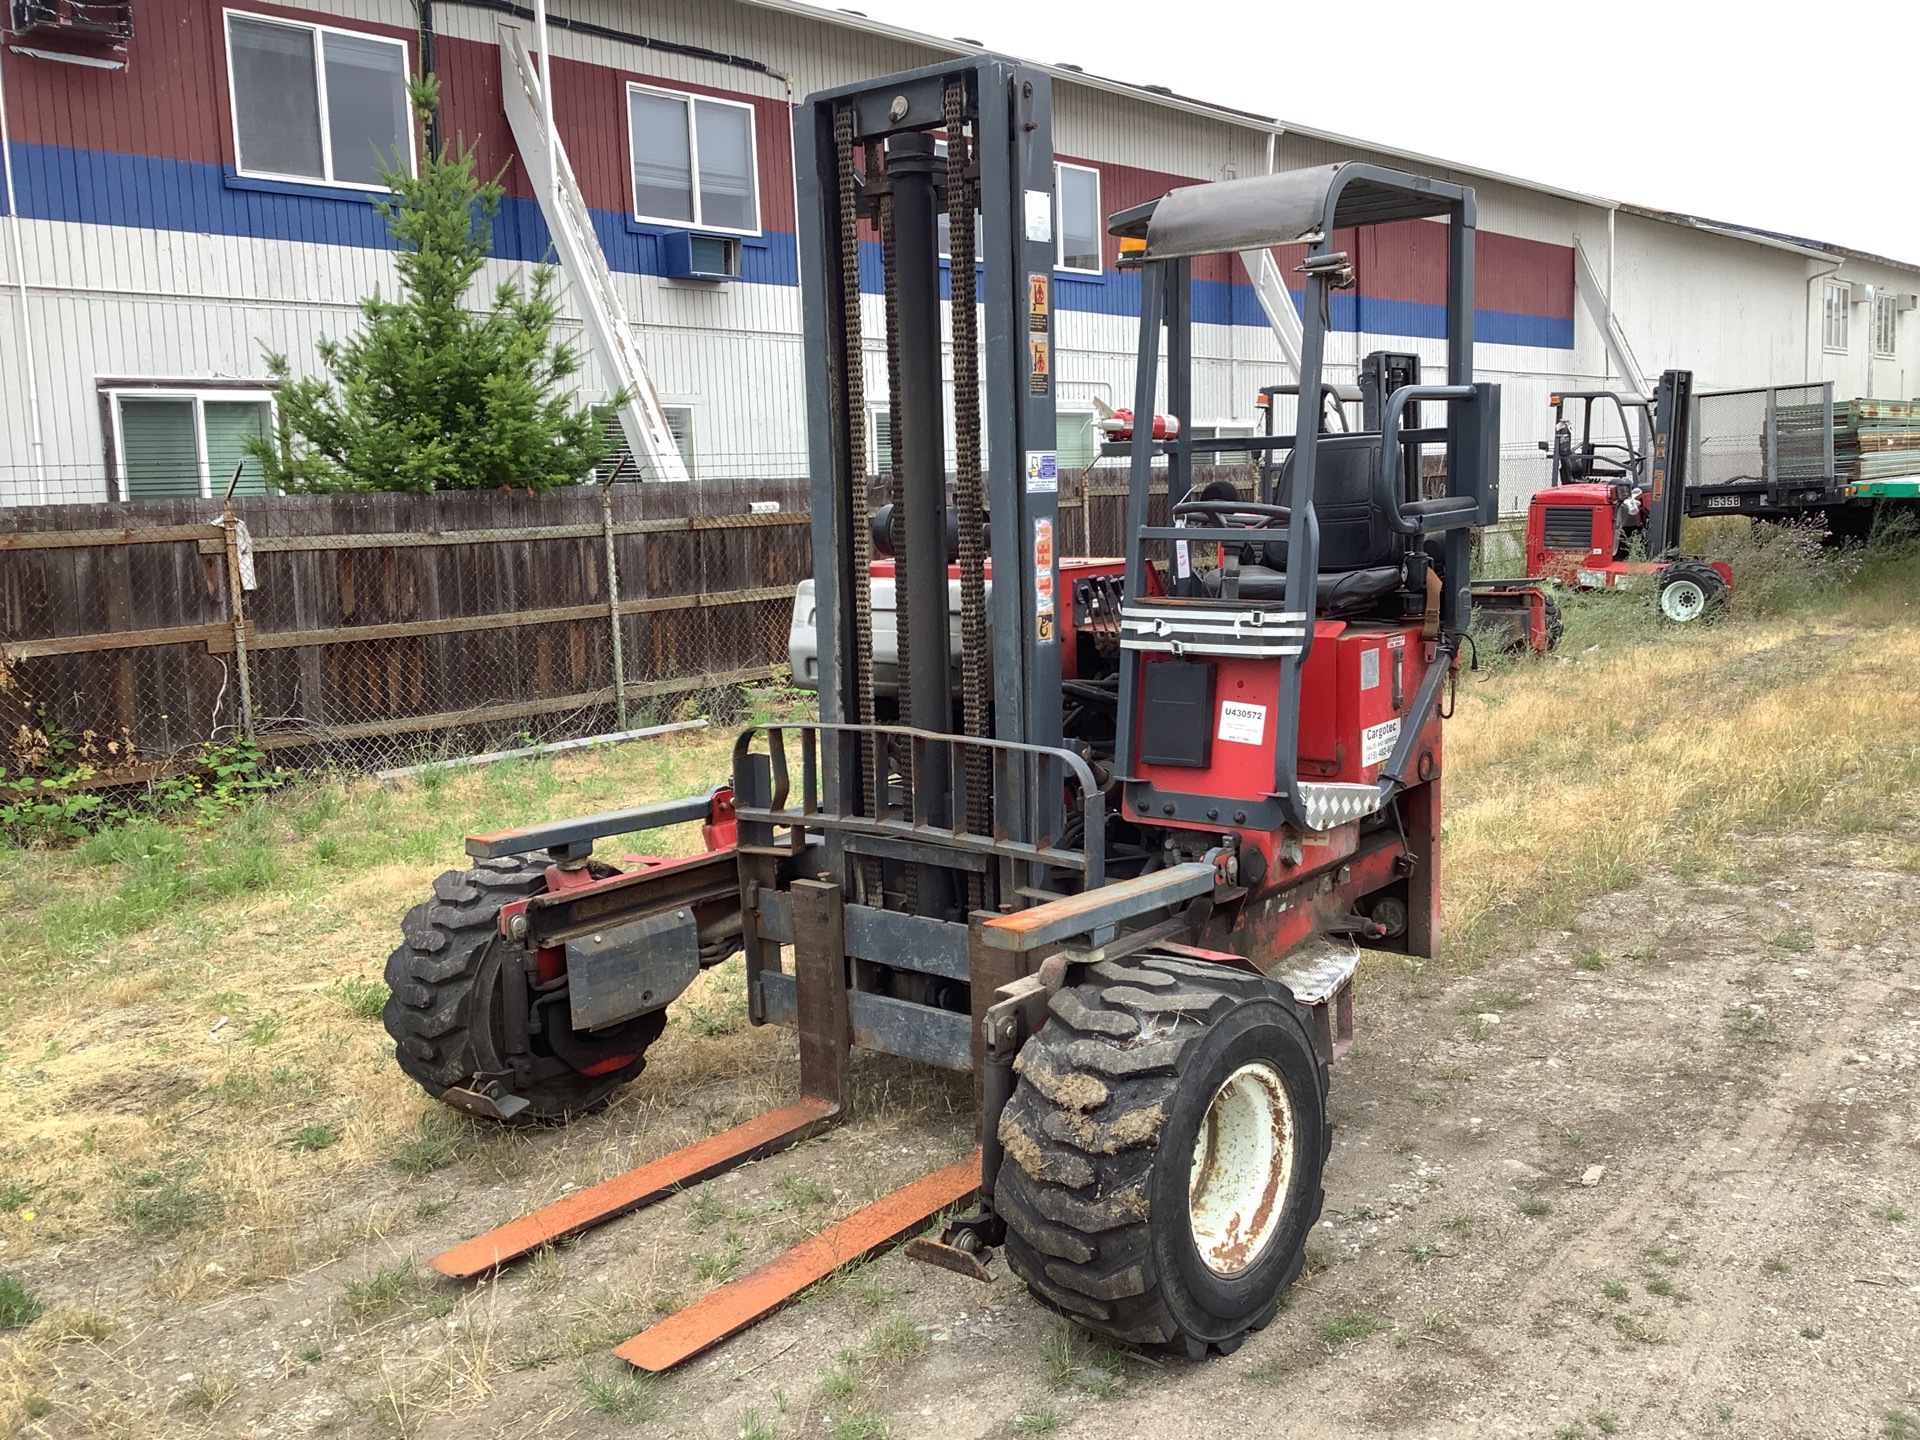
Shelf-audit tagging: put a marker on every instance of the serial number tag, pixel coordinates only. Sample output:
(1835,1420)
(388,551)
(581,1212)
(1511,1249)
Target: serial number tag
(1243,724)
(1723,502)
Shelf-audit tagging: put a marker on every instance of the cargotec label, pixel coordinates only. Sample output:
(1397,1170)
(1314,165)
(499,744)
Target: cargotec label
(1243,724)
(1376,741)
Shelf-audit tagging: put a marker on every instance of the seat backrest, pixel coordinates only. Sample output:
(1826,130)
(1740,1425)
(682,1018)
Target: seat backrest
(1354,533)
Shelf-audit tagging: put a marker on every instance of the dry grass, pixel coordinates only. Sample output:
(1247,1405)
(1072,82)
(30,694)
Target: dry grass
(1614,758)
(198,1158)
(130,1107)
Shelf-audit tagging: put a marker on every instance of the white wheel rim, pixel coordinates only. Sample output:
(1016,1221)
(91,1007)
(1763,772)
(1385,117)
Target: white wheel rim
(1683,600)
(1242,1169)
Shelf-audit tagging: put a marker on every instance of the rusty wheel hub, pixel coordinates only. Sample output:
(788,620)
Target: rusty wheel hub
(1242,1169)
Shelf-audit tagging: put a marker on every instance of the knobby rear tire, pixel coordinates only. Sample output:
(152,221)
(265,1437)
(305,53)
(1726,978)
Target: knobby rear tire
(444,1008)
(1705,581)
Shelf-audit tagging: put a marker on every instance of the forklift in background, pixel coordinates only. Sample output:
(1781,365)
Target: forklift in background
(1609,496)
(1115,849)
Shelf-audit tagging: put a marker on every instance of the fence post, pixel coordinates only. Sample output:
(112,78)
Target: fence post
(236,591)
(613,609)
(1773,439)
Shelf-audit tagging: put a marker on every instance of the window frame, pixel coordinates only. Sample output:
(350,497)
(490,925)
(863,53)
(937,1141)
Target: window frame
(1060,222)
(690,453)
(1886,321)
(1844,290)
(250,393)
(1241,430)
(1073,413)
(688,98)
(320,89)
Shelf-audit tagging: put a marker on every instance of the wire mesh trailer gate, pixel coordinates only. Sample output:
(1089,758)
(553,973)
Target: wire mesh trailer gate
(1127,836)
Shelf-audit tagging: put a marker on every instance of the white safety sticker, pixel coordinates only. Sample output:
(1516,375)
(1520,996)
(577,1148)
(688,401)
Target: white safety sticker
(1243,724)
(1376,741)
(1039,216)
(1043,472)
(1369,669)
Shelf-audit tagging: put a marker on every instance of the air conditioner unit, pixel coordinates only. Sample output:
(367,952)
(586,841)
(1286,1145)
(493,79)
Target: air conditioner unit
(1864,294)
(1906,302)
(688,256)
(97,20)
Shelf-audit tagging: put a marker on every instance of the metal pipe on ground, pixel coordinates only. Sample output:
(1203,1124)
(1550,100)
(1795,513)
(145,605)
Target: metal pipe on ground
(401,772)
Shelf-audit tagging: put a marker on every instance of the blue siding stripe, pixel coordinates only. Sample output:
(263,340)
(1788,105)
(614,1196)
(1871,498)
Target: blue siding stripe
(100,187)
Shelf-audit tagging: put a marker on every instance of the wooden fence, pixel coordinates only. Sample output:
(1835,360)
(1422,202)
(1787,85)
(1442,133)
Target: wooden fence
(372,627)
(386,624)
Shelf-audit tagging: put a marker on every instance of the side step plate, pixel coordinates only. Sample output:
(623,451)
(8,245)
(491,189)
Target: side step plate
(758,1137)
(735,1306)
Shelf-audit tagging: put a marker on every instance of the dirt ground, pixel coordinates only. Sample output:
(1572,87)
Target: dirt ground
(218,1196)
(1653,1177)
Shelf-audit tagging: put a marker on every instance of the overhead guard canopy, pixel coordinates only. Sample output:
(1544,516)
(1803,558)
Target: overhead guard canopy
(1223,216)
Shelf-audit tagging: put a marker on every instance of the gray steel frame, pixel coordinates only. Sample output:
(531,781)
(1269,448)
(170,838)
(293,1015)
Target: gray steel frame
(1011,106)
(1771,492)
(1021,773)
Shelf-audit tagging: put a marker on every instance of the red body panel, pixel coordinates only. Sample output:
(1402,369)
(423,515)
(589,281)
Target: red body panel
(1593,568)
(1559,564)
(1358,678)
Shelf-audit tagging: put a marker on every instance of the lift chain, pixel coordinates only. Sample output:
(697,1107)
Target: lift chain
(962,192)
(903,622)
(853,361)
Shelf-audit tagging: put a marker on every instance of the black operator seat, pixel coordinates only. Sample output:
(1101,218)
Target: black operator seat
(1362,557)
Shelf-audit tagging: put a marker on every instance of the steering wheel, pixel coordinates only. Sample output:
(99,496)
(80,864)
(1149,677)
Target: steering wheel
(1215,513)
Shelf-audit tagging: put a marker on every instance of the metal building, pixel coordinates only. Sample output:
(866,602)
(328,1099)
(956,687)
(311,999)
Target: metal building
(191,185)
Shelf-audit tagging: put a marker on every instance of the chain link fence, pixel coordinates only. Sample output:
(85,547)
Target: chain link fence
(1778,436)
(372,631)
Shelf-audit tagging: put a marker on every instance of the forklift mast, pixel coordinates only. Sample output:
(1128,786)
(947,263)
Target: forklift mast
(870,171)
(1667,461)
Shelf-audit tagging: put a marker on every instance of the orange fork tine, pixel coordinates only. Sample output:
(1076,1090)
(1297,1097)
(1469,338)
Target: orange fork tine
(735,1306)
(758,1137)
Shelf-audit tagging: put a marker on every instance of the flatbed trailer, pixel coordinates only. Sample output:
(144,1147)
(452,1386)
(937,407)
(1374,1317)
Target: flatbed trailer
(1770,454)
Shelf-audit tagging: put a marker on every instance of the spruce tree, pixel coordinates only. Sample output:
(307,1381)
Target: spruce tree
(428,395)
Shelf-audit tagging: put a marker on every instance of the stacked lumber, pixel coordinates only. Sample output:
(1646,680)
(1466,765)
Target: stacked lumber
(1876,439)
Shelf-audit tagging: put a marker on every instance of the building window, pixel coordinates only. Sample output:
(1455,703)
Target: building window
(1220,457)
(1078,189)
(170,444)
(680,424)
(879,440)
(1076,441)
(314,103)
(693,160)
(619,463)
(1884,321)
(1834,330)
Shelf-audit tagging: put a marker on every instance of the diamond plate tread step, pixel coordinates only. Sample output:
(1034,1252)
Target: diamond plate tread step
(1330,804)
(1320,979)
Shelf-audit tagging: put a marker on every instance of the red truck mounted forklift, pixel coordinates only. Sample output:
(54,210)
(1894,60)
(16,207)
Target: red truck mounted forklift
(1113,856)
(1611,497)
